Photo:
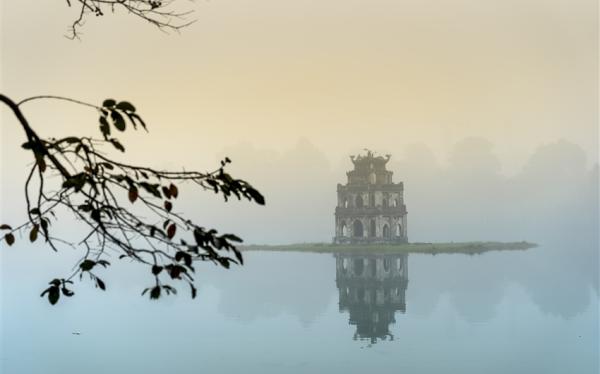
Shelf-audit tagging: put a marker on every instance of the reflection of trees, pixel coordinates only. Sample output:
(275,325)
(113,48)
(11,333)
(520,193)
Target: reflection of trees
(372,288)
(559,277)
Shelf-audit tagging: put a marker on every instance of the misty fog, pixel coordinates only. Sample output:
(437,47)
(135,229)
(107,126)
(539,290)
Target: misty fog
(464,197)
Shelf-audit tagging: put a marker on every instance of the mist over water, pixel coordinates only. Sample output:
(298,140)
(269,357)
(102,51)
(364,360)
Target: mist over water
(464,197)
(533,311)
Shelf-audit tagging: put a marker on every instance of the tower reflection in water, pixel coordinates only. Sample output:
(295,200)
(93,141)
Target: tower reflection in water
(372,287)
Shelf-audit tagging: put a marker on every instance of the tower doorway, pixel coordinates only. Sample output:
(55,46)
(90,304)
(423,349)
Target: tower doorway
(357,231)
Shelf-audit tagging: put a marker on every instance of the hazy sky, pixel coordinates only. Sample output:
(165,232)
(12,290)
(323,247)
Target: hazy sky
(341,74)
(489,107)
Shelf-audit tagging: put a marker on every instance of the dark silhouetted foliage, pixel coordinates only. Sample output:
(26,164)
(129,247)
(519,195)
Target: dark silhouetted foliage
(125,208)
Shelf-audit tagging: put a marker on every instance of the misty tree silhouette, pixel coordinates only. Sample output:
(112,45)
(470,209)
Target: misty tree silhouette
(157,12)
(123,208)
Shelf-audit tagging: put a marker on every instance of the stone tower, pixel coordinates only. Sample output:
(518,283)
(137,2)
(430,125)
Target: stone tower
(372,288)
(370,207)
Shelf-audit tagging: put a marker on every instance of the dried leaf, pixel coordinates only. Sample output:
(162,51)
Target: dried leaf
(173,190)
(10,238)
(133,194)
(171,231)
(34,233)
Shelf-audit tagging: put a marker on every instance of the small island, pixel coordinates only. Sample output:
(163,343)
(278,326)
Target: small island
(471,248)
(371,218)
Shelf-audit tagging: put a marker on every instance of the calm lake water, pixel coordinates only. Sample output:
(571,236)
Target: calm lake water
(532,311)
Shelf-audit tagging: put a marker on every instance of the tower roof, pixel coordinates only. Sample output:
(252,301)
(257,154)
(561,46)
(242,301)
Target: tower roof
(369,161)
(369,169)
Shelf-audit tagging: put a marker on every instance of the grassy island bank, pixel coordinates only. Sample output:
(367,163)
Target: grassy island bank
(430,248)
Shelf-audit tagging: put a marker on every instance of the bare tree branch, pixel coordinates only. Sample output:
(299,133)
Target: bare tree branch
(159,13)
(111,199)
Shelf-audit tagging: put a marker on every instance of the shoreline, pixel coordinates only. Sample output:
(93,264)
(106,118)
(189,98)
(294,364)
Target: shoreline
(476,247)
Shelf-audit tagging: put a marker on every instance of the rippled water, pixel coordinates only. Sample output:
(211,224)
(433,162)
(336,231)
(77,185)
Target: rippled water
(532,311)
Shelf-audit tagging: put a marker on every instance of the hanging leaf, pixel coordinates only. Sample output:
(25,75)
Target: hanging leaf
(125,106)
(187,259)
(175,271)
(10,238)
(34,233)
(103,263)
(118,120)
(233,238)
(156,269)
(151,188)
(109,103)
(53,295)
(168,206)
(171,231)
(117,145)
(100,284)
(28,145)
(135,118)
(238,255)
(167,192)
(104,127)
(257,196)
(44,223)
(133,194)
(87,265)
(155,293)
(173,190)
(224,262)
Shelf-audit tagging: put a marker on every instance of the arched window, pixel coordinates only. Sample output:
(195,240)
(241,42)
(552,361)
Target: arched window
(398,230)
(344,229)
(385,202)
(345,205)
(372,230)
(358,201)
(372,200)
(386,231)
(357,229)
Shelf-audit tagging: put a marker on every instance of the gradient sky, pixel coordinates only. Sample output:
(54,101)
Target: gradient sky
(489,107)
(342,74)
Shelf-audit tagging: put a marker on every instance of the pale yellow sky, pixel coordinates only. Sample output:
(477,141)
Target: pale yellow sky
(342,74)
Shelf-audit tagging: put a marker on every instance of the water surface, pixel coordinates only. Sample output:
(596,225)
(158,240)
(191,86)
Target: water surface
(533,311)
